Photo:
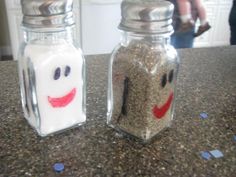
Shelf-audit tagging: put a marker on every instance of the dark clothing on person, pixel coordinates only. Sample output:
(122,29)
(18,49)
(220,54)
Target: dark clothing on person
(176,15)
(232,23)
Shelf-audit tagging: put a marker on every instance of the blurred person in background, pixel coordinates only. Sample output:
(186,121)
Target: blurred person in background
(184,26)
(232,23)
(186,18)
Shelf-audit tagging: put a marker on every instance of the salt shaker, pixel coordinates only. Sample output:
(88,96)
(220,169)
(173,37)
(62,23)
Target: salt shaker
(143,70)
(51,67)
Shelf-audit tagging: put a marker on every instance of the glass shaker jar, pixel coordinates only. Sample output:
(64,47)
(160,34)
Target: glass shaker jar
(51,67)
(143,70)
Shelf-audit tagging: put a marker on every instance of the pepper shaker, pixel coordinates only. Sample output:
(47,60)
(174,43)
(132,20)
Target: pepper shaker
(143,70)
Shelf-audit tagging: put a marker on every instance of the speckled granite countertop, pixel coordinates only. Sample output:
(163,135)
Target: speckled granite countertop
(207,82)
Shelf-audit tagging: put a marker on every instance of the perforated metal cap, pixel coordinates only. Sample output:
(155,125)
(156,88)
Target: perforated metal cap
(47,13)
(147,16)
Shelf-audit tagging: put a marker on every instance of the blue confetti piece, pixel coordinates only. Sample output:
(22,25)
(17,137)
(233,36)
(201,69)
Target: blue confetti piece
(204,115)
(216,153)
(58,167)
(206,155)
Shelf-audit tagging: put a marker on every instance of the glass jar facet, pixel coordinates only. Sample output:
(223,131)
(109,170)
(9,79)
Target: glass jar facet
(52,80)
(141,85)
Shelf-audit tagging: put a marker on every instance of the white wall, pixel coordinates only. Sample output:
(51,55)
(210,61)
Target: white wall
(98,20)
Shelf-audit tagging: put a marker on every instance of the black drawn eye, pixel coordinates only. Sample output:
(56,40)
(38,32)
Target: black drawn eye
(67,71)
(57,73)
(171,76)
(163,80)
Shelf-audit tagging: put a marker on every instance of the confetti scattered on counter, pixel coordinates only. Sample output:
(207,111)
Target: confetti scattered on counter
(216,153)
(58,167)
(206,155)
(204,115)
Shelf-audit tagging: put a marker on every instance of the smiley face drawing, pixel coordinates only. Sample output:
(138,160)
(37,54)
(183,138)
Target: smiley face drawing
(160,111)
(66,99)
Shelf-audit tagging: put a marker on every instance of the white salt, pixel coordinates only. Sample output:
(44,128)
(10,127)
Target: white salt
(59,98)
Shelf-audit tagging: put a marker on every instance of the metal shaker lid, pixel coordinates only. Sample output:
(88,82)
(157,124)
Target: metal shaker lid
(47,13)
(147,16)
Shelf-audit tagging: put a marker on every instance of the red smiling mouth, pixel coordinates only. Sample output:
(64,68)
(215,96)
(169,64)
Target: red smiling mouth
(160,112)
(62,101)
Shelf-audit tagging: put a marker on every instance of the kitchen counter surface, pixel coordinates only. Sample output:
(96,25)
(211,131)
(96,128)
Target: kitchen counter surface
(206,83)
